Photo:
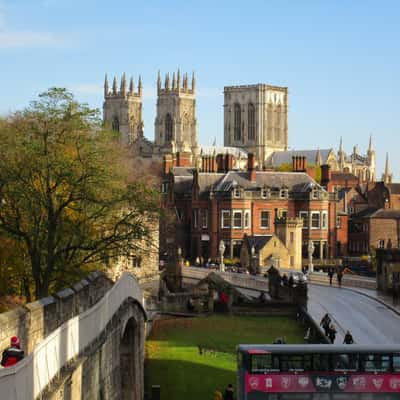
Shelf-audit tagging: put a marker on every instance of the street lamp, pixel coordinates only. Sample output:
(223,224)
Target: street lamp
(253,261)
(310,249)
(221,249)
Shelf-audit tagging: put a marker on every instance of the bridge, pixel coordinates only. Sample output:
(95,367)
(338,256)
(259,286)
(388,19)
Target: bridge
(85,342)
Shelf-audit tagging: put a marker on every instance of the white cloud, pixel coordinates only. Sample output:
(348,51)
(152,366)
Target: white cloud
(28,39)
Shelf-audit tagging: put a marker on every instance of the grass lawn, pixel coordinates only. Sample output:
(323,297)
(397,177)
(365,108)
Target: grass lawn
(173,360)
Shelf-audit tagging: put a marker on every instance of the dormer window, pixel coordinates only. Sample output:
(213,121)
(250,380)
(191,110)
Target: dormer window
(283,194)
(315,194)
(236,193)
(265,193)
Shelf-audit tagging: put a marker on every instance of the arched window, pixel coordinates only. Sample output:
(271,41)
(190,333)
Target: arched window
(168,127)
(115,124)
(251,122)
(238,123)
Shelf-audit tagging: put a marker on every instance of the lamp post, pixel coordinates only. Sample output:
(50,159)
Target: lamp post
(310,249)
(221,252)
(253,261)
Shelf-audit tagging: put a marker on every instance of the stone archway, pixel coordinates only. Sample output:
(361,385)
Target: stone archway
(131,362)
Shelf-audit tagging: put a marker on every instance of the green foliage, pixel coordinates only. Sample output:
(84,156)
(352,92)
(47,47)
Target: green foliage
(173,360)
(68,197)
(286,167)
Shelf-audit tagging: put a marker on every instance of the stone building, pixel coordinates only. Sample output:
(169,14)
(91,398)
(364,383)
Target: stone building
(256,119)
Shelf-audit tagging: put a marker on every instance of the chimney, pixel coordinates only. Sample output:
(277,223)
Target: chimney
(299,164)
(250,167)
(326,175)
(167,164)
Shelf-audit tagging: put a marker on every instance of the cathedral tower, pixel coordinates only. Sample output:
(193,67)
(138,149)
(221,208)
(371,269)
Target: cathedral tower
(176,122)
(256,119)
(122,108)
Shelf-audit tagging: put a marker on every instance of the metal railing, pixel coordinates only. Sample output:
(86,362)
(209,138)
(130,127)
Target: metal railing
(29,378)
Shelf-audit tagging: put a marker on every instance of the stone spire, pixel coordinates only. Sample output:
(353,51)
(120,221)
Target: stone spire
(318,159)
(370,147)
(140,86)
(178,79)
(115,86)
(387,176)
(167,81)
(193,82)
(341,146)
(123,85)
(185,81)
(131,87)
(106,89)
(159,81)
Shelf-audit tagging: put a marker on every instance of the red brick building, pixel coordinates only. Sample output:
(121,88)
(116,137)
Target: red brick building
(226,205)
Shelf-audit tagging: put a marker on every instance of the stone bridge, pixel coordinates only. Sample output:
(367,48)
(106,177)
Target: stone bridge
(85,342)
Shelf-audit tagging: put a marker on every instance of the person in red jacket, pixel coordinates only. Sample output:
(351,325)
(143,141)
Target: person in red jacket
(12,354)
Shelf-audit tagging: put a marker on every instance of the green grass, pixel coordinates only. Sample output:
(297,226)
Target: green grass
(174,363)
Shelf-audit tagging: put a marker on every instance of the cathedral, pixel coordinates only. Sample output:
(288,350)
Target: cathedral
(255,121)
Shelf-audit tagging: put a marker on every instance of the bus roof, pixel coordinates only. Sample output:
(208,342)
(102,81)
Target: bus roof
(317,348)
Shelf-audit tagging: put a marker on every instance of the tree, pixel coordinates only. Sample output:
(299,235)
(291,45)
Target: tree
(66,190)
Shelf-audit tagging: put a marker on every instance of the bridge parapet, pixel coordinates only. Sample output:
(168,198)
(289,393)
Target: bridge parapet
(57,349)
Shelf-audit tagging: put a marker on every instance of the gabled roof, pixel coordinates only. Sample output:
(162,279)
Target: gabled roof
(211,150)
(257,241)
(285,157)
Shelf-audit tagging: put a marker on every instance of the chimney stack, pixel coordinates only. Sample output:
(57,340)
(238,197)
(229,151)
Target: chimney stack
(326,175)
(250,167)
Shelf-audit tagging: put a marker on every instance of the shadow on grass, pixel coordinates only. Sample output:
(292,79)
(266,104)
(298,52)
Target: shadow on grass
(182,380)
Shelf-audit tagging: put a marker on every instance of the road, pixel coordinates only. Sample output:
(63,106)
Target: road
(369,321)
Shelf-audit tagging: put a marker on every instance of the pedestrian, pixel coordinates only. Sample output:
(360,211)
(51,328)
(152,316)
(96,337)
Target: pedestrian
(339,277)
(332,333)
(284,280)
(348,338)
(325,322)
(330,274)
(228,395)
(291,281)
(12,354)
(217,395)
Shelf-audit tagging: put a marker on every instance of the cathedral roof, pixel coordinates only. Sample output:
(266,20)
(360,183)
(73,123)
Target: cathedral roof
(285,157)
(235,151)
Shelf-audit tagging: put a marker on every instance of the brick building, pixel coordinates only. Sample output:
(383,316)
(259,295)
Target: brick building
(227,204)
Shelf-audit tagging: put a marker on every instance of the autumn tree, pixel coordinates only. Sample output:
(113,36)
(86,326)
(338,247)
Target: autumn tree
(66,190)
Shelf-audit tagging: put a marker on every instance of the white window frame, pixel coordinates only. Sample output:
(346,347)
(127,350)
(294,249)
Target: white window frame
(283,193)
(204,218)
(247,219)
(265,193)
(338,221)
(237,212)
(237,193)
(269,219)
(225,212)
(319,219)
(324,220)
(164,187)
(315,194)
(300,216)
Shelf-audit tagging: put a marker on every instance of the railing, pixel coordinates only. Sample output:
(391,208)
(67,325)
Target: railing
(348,280)
(28,379)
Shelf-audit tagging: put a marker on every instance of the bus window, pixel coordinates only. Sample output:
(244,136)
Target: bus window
(376,362)
(345,362)
(320,362)
(261,363)
(291,362)
(396,362)
(307,362)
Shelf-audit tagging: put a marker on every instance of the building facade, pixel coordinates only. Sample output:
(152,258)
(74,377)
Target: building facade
(256,119)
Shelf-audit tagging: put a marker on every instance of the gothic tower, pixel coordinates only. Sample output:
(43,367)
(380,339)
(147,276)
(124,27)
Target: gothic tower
(387,177)
(176,122)
(256,119)
(371,161)
(122,108)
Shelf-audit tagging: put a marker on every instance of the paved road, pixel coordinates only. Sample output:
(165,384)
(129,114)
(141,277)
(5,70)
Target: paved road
(369,321)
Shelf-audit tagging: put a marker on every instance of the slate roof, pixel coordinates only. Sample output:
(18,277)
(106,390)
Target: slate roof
(235,151)
(343,176)
(386,214)
(183,184)
(394,188)
(285,157)
(257,241)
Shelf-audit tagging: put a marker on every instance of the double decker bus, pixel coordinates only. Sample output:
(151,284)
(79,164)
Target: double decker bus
(318,372)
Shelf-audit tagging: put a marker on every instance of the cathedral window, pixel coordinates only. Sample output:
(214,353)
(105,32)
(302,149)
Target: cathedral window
(251,122)
(168,128)
(238,122)
(115,124)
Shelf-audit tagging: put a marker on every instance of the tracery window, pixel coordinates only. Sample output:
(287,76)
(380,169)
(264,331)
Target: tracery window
(168,127)
(238,122)
(251,122)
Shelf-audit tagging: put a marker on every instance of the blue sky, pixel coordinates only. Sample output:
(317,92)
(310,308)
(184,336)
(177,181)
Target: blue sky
(339,59)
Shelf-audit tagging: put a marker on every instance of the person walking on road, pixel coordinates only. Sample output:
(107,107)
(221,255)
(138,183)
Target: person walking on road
(228,395)
(325,322)
(339,277)
(348,338)
(330,274)
(332,333)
